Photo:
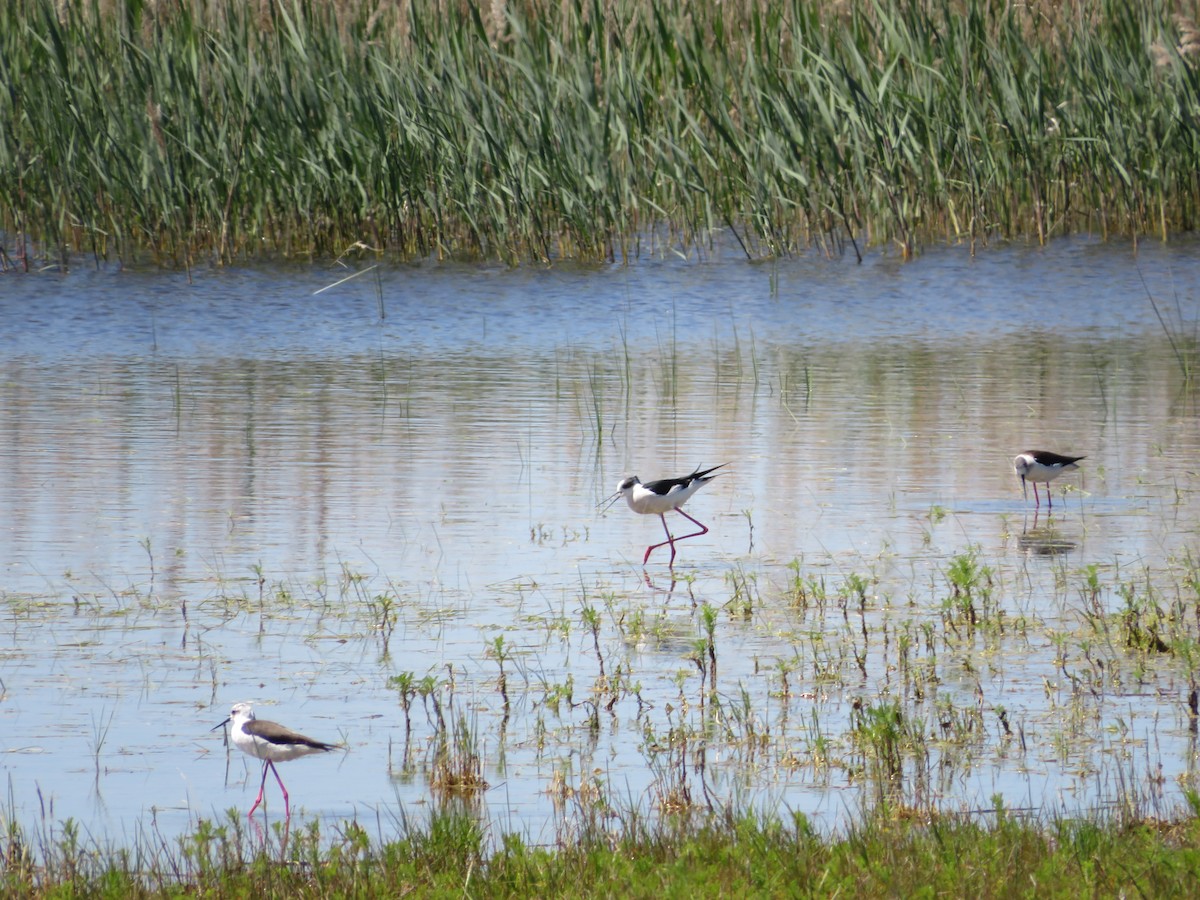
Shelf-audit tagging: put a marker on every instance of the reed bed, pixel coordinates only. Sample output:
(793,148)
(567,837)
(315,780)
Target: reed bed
(589,129)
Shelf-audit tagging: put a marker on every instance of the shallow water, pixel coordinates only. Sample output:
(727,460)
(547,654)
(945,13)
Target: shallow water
(235,487)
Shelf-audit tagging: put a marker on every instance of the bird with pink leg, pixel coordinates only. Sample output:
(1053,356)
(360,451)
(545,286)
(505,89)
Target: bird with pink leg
(657,498)
(272,743)
(1042,467)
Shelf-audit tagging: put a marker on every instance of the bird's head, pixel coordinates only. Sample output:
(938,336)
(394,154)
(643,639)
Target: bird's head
(1022,464)
(624,489)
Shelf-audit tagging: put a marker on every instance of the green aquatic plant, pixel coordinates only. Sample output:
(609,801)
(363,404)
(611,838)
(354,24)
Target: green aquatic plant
(498,651)
(405,684)
(745,592)
(882,732)
(536,131)
(100,730)
(887,847)
(457,766)
(805,591)
(971,589)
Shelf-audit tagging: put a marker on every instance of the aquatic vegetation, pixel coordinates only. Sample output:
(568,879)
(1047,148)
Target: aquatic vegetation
(724,700)
(1181,334)
(970,583)
(891,848)
(542,131)
(456,766)
(404,685)
(924,669)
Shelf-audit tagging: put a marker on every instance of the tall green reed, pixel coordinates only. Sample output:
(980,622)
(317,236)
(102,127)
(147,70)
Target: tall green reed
(537,131)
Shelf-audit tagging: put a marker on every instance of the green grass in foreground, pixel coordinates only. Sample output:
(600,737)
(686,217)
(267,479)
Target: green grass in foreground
(889,856)
(539,129)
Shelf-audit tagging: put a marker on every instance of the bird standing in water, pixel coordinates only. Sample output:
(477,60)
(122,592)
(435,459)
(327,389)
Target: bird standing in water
(1042,466)
(657,498)
(271,742)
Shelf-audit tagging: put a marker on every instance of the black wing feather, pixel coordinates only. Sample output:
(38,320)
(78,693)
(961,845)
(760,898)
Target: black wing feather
(1046,458)
(274,733)
(663,486)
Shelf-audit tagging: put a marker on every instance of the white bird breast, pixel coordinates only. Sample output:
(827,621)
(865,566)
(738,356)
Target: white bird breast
(650,503)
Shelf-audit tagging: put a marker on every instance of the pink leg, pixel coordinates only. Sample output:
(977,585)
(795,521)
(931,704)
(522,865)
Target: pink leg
(703,527)
(1037,501)
(261,785)
(670,540)
(287,809)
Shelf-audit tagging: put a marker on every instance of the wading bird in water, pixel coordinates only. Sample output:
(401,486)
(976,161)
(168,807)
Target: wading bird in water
(1042,466)
(657,498)
(271,742)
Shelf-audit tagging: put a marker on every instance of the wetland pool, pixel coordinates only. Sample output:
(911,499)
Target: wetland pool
(338,503)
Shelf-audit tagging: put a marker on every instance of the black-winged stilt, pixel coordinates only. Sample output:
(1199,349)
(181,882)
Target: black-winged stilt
(1042,466)
(271,742)
(657,498)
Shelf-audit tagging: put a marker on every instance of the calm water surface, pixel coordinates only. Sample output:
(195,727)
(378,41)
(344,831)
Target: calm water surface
(237,486)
